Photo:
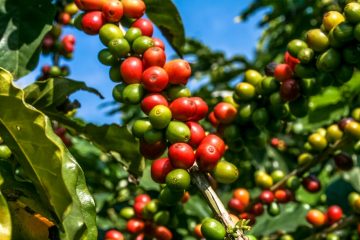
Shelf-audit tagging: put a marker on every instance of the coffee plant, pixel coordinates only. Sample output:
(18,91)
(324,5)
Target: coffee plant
(266,149)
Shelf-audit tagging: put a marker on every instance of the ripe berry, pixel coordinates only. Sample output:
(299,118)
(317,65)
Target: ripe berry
(138,209)
(179,71)
(159,43)
(135,225)
(257,209)
(92,22)
(163,233)
(343,162)
(311,184)
(213,120)
(282,196)
(131,70)
(236,205)
(207,156)
(248,216)
(160,168)
(113,11)
(334,213)
(266,197)
(144,198)
(152,100)
(283,72)
(113,235)
(90,5)
(133,8)
(289,90)
(64,18)
(145,26)
(197,134)
(181,155)
(215,141)
(243,195)
(201,108)
(343,122)
(155,79)
(183,109)
(154,56)
(225,112)
(316,218)
(152,151)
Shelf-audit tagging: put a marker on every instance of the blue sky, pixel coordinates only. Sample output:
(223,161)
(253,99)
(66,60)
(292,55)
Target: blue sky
(211,22)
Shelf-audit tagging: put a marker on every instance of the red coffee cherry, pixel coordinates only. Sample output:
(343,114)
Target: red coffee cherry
(46,69)
(289,90)
(334,213)
(183,109)
(144,198)
(151,100)
(160,168)
(343,162)
(257,209)
(311,184)
(236,205)
(185,198)
(213,120)
(152,151)
(138,208)
(163,233)
(316,218)
(282,196)
(343,122)
(131,70)
(291,61)
(159,43)
(201,108)
(181,155)
(155,79)
(215,141)
(248,216)
(145,26)
(133,8)
(225,112)
(64,18)
(48,42)
(90,5)
(207,156)
(267,197)
(197,134)
(91,22)
(154,56)
(283,72)
(114,235)
(113,11)
(135,225)
(179,71)
(79,4)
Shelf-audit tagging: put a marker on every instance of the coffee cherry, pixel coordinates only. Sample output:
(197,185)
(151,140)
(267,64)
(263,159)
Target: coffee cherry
(159,43)
(141,44)
(153,135)
(213,120)
(317,40)
(177,132)
(145,26)
(135,225)
(113,235)
(331,19)
(295,46)
(329,60)
(257,209)
(197,231)
(163,233)
(152,100)
(160,116)
(91,5)
(181,155)
(273,209)
(183,109)
(170,197)
(160,168)
(343,162)
(304,158)
(311,184)
(266,197)
(155,79)
(91,22)
(109,32)
(243,195)
(317,142)
(113,10)
(270,68)
(201,109)
(236,205)
(212,229)
(215,141)
(225,172)
(138,209)
(334,213)
(141,126)
(152,151)
(178,180)
(248,216)
(162,217)
(333,133)
(106,57)
(245,91)
(177,91)
(316,218)
(154,56)
(119,47)
(207,156)
(197,134)
(179,71)
(133,93)
(5,152)
(353,128)
(282,195)
(132,34)
(289,90)
(225,112)
(290,60)
(260,117)
(131,70)
(352,12)
(133,8)
(263,180)
(306,55)
(71,8)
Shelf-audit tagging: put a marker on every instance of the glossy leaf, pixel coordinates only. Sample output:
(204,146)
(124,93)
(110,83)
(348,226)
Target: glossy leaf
(23,25)
(56,175)
(165,16)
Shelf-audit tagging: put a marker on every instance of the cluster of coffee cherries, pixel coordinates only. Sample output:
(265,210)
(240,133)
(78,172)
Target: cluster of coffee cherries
(66,13)
(48,71)
(53,43)
(318,218)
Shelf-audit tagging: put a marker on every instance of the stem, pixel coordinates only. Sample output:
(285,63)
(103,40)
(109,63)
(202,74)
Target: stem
(201,181)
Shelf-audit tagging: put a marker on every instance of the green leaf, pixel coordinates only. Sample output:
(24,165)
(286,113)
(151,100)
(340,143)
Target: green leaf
(165,15)
(294,212)
(146,181)
(54,91)
(23,25)
(353,177)
(197,207)
(56,175)
(5,218)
